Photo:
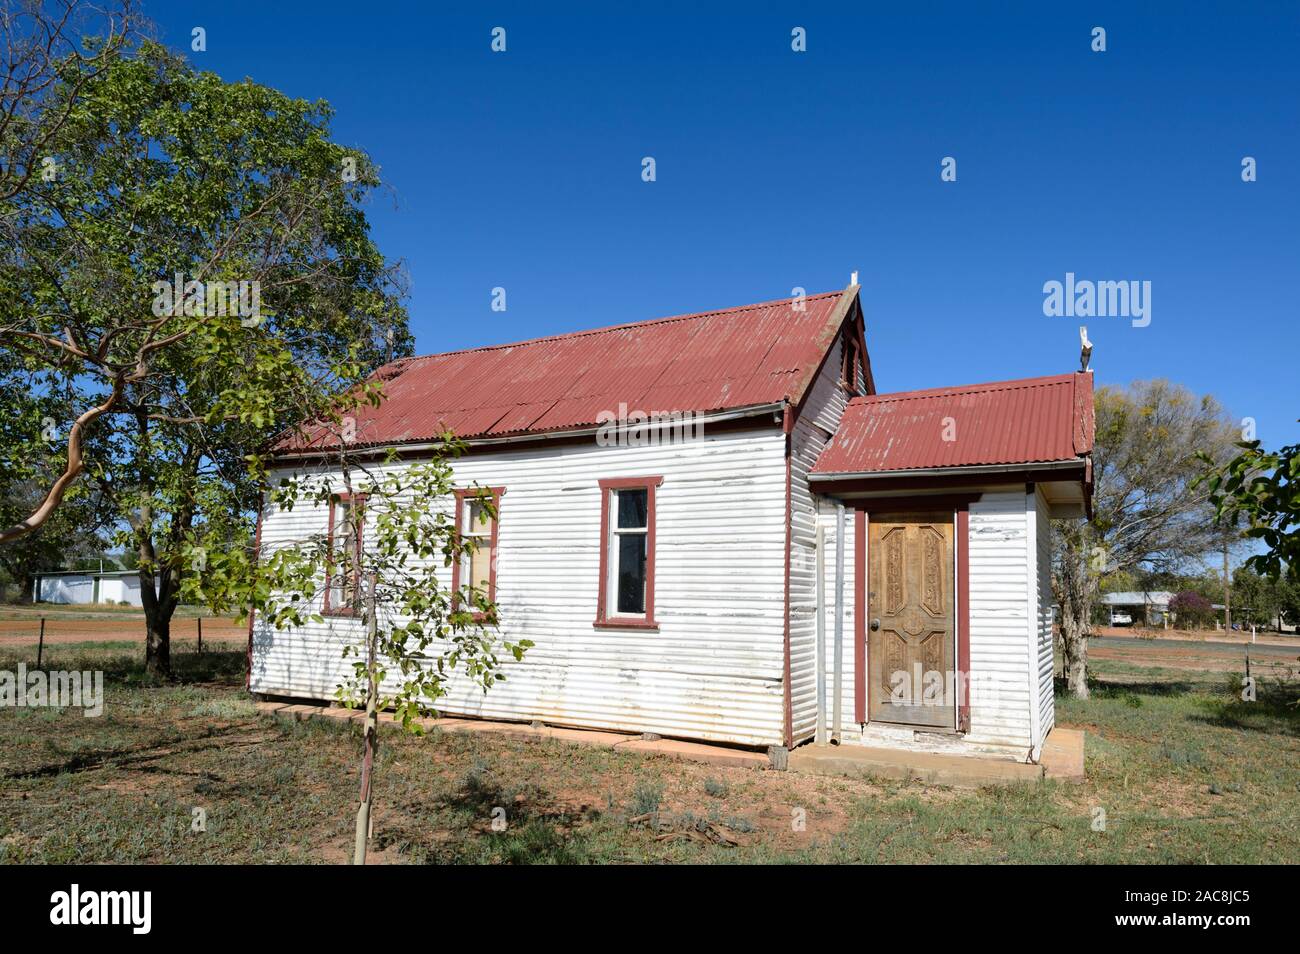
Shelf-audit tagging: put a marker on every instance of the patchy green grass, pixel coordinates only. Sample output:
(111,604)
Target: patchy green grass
(1184,771)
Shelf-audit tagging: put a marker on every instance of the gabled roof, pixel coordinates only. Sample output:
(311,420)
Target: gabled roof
(1030,421)
(734,358)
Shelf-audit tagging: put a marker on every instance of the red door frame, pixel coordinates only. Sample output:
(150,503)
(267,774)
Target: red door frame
(960,505)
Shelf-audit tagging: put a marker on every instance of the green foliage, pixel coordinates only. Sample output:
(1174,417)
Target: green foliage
(1264,488)
(1258,599)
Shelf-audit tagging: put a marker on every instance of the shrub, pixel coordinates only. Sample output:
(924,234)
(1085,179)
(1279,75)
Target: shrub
(1191,609)
(646,798)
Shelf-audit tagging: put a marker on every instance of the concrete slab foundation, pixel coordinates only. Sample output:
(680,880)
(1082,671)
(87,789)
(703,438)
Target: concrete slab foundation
(1062,755)
(959,771)
(693,751)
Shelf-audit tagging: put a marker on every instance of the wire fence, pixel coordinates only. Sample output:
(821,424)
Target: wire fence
(42,632)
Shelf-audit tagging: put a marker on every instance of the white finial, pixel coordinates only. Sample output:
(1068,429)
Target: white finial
(853,279)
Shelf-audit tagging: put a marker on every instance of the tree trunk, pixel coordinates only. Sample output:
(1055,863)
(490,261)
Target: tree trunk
(1074,586)
(158,597)
(1074,655)
(371,737)
(371,743)
(158,644)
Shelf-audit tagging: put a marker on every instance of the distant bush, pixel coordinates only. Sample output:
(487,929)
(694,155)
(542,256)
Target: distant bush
(1191,609)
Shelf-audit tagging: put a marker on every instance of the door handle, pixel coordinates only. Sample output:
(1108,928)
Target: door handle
(875,624)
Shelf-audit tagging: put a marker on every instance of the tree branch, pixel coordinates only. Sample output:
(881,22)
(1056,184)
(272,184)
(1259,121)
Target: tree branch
(76,464)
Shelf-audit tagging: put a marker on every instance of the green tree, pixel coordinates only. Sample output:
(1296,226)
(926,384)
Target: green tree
(1148,514)
(195,277)
(1261,600)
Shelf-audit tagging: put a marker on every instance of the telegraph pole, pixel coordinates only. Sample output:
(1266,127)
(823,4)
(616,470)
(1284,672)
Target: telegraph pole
(1227,593)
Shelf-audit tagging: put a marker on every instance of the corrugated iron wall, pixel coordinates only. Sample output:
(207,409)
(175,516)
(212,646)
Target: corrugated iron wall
(1001,555)
(1046,661)
(821,416)
(713,671)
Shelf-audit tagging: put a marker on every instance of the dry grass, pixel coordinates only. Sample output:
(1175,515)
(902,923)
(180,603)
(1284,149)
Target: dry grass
(1184,770)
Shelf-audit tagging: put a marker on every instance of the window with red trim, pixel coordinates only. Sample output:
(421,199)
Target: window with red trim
(475,523)
(850,377)
(343,568)
(627,552)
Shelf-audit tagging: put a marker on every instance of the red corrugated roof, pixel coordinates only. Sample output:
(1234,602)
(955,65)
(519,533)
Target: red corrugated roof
(711,361)
(1034,420)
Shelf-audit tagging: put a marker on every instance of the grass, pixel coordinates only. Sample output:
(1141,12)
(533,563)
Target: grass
(1184,771)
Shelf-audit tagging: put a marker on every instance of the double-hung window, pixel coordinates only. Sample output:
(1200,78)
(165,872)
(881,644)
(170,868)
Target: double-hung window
(475,523)
(627,555)
(343,569)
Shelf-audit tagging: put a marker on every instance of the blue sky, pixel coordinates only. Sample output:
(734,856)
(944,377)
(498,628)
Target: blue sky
(778,169)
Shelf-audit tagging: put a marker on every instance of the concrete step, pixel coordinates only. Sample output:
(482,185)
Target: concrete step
(960,771)
(1062,755)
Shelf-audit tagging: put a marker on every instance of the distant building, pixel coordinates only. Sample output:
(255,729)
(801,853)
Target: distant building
(1150,606)
(85,586)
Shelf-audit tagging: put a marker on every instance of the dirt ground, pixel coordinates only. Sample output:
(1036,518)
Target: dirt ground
(21,629)
(1188,656)
(1235,638)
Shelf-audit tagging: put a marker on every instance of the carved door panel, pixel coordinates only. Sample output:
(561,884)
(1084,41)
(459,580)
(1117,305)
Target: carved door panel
(910,645)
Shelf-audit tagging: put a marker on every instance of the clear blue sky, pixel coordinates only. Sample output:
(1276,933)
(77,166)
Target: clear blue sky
(777,169)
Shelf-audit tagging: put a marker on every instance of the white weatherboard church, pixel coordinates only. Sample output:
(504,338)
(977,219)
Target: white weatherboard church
(808,560)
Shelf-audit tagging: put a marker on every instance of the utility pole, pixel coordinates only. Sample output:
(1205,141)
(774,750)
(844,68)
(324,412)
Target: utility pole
(1227,593)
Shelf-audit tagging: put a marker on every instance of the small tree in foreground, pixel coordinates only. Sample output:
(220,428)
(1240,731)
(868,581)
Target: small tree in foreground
(409,633)
(1263,487)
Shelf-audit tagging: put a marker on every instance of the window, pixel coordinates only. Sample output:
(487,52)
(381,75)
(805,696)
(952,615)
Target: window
(343,569)
(627,554)
(473,522)
(850,376)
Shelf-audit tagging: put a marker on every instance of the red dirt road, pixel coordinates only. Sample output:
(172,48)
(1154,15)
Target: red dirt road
(130,628)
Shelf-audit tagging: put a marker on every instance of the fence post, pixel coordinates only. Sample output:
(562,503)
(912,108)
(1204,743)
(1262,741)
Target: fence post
(199,620)
(40,646)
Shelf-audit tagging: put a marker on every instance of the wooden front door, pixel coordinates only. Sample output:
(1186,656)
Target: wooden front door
(910,655)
